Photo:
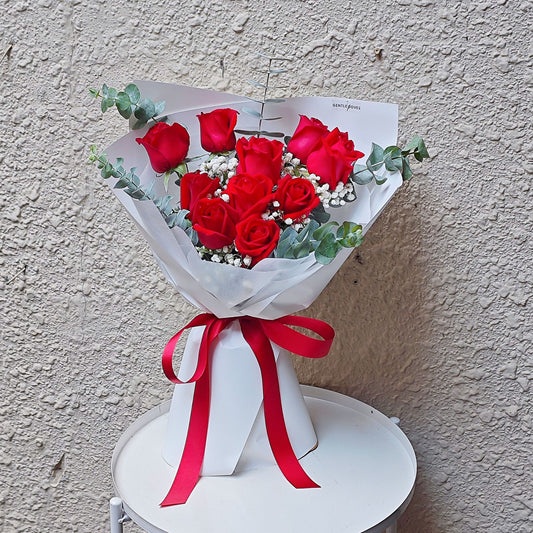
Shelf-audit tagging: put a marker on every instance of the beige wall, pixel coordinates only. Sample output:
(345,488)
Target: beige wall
(437,329)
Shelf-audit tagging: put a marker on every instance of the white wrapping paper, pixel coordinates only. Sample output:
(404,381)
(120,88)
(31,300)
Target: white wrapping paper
(271,289)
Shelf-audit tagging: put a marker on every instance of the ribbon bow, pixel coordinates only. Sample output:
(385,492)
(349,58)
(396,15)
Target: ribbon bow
(258,333)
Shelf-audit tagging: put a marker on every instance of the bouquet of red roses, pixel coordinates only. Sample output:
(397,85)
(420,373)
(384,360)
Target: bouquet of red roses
(209,196)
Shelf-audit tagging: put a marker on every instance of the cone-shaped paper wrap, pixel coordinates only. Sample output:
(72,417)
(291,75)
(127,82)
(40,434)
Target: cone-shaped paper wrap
(271,289)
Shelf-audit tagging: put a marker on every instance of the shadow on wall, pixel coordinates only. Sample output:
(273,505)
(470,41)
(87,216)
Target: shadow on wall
(377,304)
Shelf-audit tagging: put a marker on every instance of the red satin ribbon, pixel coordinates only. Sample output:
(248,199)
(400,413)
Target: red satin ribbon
(258,333)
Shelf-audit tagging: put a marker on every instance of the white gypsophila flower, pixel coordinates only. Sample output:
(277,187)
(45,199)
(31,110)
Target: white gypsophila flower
(225,197)
(231,174)
(232,163)
(247,260)
(237,262)
(295,161)
(215,258)
(288,221)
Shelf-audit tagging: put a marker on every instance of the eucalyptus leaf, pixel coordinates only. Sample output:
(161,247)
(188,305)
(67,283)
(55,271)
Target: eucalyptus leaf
(133,93)
(145,110)
(407,173)
(327,249)
(326,229)
(159,108)
(272,133)
(125,112)
(375,159)
(392,156)
(319,214)
(257,84)
(361,175)
(252,112)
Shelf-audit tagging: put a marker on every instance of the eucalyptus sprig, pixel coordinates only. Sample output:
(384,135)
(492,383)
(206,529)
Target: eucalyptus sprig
(130,183)
(128,102)
(392,158)
(260,115)
(325,241)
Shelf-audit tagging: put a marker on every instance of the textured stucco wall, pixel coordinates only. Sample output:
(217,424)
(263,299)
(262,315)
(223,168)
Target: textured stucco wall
(433,314)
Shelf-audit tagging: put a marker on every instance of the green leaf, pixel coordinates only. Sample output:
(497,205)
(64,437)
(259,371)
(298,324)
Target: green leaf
(105,89)
(350,235)
(272,133)
(257,84)
(103,105)
(167,178)
(274,100)
(411,145)
(121,183)
(112,93)
(407,173)
(94,93)
(159,108)
(421,152)
(124,112)
(327,249)
(361,175)
(324,230)
(319,214)
(122,100)
(252,112)
(375,159)
(138,124)
(145,110)
(133,93)
(392,156)
(181,170)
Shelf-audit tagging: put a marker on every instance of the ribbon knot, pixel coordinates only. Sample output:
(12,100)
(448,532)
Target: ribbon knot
(258,333)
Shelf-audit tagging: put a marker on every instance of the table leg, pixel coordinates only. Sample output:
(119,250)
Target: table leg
(116,515)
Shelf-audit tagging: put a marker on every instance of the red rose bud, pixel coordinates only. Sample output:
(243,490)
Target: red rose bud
(306,137)
(249,193)
(260,156)
(216,130)
(194,186)
(297,197)
(256,237)
(214,221)
(333,158)
(166,144)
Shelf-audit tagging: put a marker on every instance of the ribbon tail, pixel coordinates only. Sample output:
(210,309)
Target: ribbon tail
(275,423)
(193,453)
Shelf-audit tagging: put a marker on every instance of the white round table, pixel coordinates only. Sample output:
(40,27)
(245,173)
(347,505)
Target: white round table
(365,465)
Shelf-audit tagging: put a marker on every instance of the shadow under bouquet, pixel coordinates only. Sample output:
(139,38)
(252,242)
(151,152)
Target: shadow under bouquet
(249,222)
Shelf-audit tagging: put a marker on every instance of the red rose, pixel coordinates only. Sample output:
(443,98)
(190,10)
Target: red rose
(247,192)
(256,237)
(333,158)
(297,197)
(166,144)
(214,221)
(260,156)
(306,137)
(194,186)
(216,130)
